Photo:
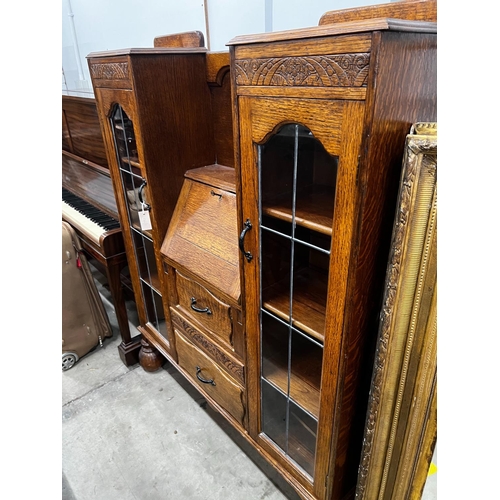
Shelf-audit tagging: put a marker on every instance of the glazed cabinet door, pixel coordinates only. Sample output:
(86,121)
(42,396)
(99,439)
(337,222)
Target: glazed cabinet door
(130,179)
(299,161)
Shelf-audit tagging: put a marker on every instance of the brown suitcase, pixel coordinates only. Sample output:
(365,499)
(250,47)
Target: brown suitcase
(85,322)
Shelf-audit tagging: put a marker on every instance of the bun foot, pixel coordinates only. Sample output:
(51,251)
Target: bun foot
(149,357)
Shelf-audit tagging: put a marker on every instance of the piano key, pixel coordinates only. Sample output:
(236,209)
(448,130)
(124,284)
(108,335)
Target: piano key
(88,210)
(79,221)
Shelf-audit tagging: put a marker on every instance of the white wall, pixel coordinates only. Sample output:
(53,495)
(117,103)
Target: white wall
(97,25)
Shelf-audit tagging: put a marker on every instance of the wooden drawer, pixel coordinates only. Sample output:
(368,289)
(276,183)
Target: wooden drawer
(211,379)
(224,359)
(198,303)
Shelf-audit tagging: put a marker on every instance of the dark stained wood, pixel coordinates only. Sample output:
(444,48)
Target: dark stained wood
(186,39)
(366,131)
(90,182)
(416,10)
(81,130)
(149,357)
(219,84)
(223,120)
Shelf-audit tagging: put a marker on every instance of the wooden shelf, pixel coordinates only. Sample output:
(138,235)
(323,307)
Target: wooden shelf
(299,451)
(313,210)
(305,376)
(309,301)
(153,282)
(134,161)
(146,232)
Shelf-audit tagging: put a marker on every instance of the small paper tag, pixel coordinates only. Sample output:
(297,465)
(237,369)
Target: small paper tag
(145,220)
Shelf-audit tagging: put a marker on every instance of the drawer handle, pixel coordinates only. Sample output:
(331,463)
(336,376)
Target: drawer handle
(248,255)
(206,310)
(201,379)
(213,193)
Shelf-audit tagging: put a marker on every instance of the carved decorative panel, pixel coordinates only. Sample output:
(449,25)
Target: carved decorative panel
(340,70)
(110,71)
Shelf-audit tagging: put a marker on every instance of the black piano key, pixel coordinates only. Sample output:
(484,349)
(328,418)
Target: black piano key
(88,210)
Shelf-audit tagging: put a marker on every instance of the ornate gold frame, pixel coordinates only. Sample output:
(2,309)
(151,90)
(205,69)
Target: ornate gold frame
(401,425)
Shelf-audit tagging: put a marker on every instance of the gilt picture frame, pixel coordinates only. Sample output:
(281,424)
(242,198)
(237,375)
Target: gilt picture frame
(401,423)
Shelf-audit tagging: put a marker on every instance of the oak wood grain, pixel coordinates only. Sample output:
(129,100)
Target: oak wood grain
(185,39)
(202,237)
(216,316)
(224,389)
(417,10)
(224,358)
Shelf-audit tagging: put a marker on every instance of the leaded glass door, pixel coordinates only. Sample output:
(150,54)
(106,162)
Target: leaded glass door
(134,188)
(297,180)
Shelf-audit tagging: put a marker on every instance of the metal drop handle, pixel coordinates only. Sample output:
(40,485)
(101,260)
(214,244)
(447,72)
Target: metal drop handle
(201,379)
(248,255)
(206,310)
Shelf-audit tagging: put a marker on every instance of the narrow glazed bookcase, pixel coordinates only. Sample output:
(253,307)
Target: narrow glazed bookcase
(154,109)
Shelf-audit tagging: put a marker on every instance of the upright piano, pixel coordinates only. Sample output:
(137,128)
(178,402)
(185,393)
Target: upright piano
(89,205)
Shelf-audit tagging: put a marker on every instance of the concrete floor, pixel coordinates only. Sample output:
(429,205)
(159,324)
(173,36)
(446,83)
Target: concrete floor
(132,435)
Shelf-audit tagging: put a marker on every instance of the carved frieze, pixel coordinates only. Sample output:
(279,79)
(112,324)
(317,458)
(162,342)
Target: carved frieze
(110,71)
(339,70)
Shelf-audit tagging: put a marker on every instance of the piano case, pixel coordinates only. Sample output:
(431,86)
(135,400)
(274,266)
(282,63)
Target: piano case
(85,322)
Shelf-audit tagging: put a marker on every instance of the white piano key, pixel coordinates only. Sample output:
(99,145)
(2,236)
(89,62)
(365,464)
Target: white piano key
(79,221)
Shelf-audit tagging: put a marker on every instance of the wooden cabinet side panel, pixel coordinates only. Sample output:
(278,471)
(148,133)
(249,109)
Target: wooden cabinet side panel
(402,91)
(223,121)
(173,103)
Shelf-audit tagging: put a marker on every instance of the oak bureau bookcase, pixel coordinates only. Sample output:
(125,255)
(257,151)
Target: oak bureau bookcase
(321,116)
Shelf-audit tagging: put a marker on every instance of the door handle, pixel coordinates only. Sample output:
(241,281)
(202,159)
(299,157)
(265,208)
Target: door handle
(248,226)
(146,206)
